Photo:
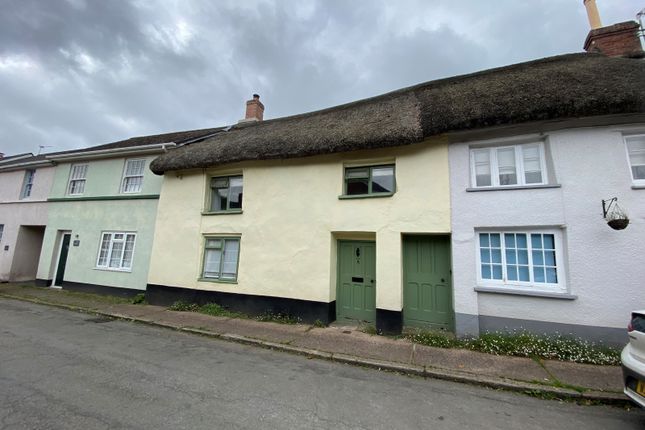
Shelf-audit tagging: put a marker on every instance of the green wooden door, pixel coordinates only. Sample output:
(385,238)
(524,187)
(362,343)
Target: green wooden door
(427,290)
(356,295)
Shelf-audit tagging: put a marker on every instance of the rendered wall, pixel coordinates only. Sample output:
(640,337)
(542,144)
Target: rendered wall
(14,212)
(605,268)
(87,219)
(292,217)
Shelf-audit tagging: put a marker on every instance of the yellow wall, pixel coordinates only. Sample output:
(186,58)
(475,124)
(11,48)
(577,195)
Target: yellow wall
(292,217)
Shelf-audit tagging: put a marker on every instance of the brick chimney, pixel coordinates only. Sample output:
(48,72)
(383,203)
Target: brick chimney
(254,110)
(617,40)
(1,155)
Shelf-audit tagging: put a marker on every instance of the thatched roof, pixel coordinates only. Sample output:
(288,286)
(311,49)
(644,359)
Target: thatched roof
(566,86)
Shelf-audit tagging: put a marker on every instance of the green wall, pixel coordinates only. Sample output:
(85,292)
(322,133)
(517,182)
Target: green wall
(87,219)
(104,178)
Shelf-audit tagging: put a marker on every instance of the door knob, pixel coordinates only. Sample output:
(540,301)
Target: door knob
(443,280)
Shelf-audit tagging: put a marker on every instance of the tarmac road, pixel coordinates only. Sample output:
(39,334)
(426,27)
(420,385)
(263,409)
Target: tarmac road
(67,370)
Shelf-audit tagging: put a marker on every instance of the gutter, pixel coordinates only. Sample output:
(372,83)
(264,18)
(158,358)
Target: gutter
(20,166)
(102,153)
(13,158)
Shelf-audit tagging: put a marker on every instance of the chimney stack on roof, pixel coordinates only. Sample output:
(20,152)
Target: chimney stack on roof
(254,110)
(1,155)
(617,40)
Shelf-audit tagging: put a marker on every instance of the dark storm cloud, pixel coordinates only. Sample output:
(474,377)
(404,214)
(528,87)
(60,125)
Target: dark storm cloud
(75,73)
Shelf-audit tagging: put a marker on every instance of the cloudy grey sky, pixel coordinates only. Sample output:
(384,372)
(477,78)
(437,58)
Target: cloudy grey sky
(77,73)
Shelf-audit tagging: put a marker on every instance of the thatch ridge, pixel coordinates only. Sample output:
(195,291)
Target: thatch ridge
(565,86)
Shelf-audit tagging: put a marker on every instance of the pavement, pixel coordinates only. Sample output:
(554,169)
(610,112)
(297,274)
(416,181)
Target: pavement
(544,378)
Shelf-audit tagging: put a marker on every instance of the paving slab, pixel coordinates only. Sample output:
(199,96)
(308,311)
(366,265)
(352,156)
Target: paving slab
(518,368)
(273,332)
(135,311)
(353,342)
(601,378)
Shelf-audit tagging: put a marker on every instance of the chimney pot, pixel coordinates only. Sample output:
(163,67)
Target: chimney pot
(592,14)
(254,110)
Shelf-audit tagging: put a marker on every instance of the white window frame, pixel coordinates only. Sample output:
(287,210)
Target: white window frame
(125,175)
(27,183)
(635,181)
(219,278)
(522,286)
(519,165)
(73,180)
(106,265)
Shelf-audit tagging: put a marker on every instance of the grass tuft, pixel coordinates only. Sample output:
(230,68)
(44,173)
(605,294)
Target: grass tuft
(139,299)
(279,317)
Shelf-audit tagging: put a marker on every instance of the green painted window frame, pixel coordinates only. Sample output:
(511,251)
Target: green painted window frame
(209,201)
(222,247)
(370,192)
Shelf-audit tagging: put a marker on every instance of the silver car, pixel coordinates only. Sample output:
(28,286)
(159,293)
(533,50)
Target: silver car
(633,359)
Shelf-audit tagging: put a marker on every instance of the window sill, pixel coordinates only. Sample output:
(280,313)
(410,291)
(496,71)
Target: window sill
(231,212)
(526,292)
(218,281)
(364,196)
(107,269)
(514,187)
(638,187)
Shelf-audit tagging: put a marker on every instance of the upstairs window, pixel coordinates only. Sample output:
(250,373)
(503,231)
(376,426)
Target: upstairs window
(1,231)
(507,166)
(116,251)
(520,258)
(220,258)
(226,194)
(132,176)
(636,154)
(369,180)
(77,179)
(27,183)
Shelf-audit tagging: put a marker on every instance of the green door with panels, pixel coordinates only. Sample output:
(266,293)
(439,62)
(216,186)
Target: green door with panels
(427,289)
(356,295)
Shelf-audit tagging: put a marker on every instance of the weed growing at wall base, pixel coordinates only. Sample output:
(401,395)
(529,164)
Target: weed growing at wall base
(525,344)
(217,310)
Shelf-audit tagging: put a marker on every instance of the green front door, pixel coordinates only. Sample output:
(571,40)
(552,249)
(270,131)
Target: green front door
(427,289)
(356,295)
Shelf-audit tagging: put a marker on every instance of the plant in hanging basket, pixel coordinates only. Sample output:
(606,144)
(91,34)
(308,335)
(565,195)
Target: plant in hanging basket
(618,223)
(617,217)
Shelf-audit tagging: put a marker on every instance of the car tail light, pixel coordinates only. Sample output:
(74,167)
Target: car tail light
(637,323)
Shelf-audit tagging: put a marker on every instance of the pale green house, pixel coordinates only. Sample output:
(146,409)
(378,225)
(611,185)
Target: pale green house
(102,210)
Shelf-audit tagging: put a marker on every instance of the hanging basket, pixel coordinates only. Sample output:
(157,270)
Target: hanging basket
(615,215)
(618,223)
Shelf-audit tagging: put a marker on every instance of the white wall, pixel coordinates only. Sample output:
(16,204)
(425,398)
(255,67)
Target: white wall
(605,268)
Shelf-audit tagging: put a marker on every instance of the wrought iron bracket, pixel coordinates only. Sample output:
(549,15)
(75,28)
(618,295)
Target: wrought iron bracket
(607,204)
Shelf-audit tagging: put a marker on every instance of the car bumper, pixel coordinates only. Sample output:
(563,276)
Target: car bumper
(633,370)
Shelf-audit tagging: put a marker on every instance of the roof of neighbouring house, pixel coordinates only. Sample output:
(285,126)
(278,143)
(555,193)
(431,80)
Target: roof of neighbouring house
(174,137)
(565,86)
(13,162)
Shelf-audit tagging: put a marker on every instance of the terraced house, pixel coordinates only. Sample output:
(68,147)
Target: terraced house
(309,215)
(25,181)
(102,210)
